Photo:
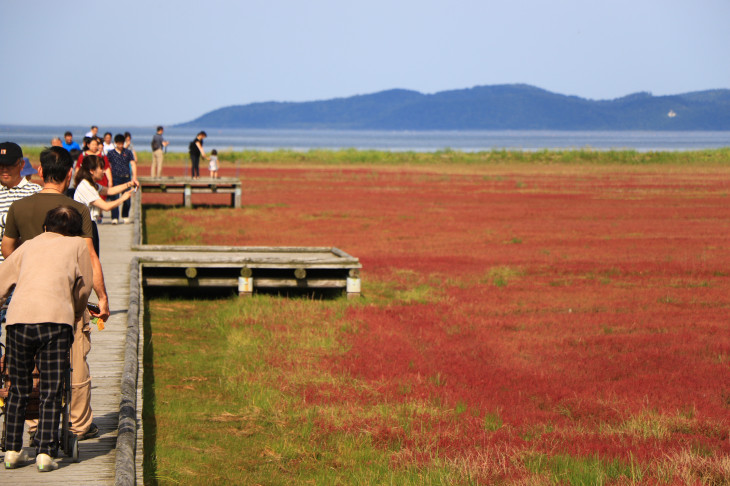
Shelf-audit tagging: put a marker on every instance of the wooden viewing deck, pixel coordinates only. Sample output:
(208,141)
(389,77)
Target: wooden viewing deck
(115,457)
(187,187)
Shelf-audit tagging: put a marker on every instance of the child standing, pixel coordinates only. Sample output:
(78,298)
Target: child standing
(213,164)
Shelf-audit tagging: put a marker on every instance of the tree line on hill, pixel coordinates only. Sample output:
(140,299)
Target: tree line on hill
(498,107)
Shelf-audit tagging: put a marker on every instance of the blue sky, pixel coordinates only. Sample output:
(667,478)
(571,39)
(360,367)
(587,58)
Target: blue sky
(151,62)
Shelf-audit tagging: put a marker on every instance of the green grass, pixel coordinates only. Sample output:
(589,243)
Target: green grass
(584,471)
(166,227)
(347,157)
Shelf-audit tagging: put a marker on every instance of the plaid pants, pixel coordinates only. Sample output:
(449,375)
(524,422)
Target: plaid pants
(46,346)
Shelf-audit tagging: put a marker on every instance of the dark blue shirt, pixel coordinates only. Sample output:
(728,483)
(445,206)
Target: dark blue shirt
(120,163)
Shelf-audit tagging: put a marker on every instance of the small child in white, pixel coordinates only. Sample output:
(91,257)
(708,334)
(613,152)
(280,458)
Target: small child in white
(213,164)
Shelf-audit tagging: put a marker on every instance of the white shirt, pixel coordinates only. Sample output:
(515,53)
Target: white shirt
(106,147)
(9,195)
(86,194)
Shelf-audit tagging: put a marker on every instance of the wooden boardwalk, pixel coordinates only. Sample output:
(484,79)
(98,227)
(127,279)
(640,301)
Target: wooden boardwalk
(106,360)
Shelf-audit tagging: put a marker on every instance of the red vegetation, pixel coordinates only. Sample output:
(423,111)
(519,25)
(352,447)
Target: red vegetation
(586,309)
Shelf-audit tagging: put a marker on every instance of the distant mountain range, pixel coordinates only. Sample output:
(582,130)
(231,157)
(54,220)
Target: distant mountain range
(499,107)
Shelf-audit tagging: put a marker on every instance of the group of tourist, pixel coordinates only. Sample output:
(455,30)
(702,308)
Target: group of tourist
(50,265)
(104,146)
(117,160)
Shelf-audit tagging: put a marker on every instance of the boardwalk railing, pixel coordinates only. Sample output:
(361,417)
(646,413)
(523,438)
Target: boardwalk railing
(127,444)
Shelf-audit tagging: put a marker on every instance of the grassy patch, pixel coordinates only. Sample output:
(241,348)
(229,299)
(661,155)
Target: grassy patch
(455,157)
(501,276)
(567,469)
(163,227)
(226,387)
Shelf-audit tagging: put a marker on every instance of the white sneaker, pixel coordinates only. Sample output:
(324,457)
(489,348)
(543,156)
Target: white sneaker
(126,220)
(45,463)
(115,221)
(14,459)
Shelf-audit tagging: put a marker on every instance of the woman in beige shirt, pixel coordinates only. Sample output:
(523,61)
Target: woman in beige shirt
(53,278)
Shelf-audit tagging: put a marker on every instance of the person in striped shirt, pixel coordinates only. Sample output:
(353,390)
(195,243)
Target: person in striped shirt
(13,185)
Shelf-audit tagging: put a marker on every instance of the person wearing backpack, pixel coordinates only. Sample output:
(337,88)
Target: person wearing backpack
(196,152)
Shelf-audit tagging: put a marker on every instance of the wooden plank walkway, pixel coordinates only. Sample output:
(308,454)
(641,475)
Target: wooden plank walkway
(106,360)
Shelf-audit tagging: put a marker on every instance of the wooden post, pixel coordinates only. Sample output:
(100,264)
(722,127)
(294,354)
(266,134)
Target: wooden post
(245,283)
(353,283)
(188,196)
(236,196)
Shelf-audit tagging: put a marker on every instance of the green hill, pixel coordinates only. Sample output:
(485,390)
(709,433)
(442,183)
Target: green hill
(499,107)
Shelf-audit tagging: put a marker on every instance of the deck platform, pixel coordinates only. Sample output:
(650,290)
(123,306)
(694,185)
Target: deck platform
(187,187)
(250,268)
(245,268)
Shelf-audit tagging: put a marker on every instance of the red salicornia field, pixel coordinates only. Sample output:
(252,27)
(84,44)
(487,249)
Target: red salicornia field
(554,315)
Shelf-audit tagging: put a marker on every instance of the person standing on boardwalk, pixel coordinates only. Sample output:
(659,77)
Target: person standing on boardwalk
(129,145)
(13,185)
(158,152)
(213,164)
(196,152)
(95,149)
(108,144)
(89,190)
(69,143)
(124,170)
(25,222)
(27,172)
(93,132)
(52,276)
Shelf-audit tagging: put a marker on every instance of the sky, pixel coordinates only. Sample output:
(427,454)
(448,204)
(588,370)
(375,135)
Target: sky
(150,62)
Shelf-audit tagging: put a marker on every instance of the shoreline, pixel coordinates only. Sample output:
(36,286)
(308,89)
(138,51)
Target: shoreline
(475,141)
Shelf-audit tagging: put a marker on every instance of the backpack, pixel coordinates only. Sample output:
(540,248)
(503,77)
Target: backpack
(193,148)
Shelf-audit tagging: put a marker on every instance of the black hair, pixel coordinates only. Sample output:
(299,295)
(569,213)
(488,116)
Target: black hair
(67,134)
(64,220)
(203,133)
(119,138)
(88,163)
(214,152)
(127,134)
(86,142)
(94,126)
(108,133)
(55,162)
(160,128)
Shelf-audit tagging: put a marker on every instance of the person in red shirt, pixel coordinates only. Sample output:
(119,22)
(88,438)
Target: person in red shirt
(95,149)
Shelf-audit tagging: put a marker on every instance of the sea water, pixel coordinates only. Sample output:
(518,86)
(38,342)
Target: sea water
(396,141)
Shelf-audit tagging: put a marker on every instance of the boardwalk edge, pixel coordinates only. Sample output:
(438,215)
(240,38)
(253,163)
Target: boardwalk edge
(125,469)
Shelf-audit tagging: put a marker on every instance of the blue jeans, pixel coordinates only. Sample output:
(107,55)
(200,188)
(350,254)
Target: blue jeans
(126,204)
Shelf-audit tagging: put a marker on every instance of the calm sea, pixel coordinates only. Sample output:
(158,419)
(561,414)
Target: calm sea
(421,141)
